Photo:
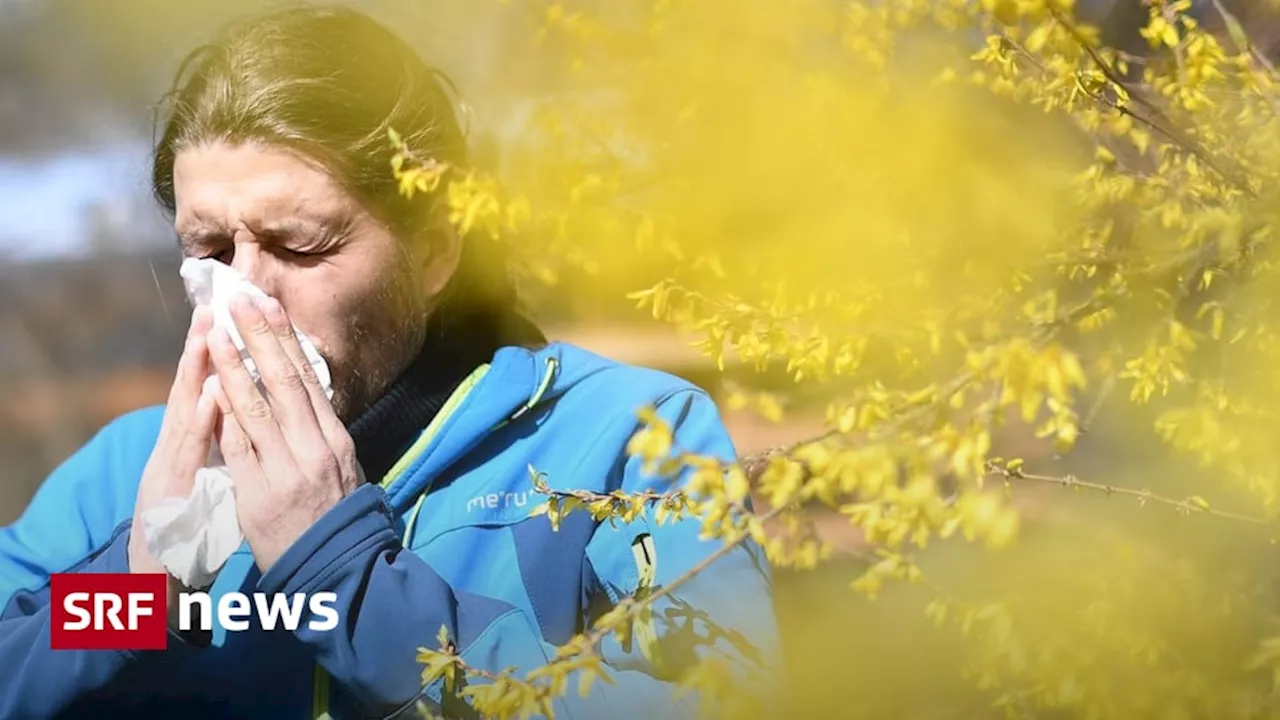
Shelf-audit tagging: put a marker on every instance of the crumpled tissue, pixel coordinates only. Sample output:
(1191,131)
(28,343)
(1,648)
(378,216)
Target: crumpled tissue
(193,536)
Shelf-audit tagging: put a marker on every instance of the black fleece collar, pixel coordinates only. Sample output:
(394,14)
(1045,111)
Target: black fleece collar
(451,352)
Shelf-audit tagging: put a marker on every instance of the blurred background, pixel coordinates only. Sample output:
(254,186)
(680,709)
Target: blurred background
(92,312)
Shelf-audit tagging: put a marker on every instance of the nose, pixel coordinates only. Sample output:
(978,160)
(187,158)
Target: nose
(250,260)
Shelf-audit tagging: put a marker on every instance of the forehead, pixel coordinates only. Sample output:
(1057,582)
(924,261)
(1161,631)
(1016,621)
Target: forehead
(247,184)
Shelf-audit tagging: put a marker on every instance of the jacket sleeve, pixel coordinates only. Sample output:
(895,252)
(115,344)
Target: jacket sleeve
(389,603)
(724,613)
(387,598)
(67,527)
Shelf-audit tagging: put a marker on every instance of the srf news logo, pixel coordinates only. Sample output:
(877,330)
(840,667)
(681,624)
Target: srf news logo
(108,611)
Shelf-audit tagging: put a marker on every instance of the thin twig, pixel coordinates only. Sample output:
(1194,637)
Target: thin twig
(1231,19)
(1171,131)
(1144,496)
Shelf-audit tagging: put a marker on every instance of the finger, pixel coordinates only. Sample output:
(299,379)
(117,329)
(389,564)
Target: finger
(193,449)
(286,390)
(193,366)
(242,461)
(249,408)
(326,450)
(322,408)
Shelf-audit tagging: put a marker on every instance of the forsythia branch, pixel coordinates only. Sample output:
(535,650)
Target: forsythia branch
(1012,471)
(1167,127)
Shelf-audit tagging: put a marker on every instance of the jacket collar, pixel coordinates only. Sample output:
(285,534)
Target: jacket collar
(451,352)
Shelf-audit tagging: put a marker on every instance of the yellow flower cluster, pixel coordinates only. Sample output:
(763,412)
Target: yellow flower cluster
(960,232)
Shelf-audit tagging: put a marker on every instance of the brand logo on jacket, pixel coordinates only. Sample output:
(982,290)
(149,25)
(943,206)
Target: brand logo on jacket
(491,501)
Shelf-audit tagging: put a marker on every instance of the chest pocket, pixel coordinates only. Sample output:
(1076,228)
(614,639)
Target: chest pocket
(486,543)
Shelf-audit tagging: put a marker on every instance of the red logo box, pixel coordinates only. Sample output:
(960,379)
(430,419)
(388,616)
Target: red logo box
(107,611)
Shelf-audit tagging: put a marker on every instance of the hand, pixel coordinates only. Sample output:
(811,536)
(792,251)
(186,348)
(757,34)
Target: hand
(182,447)
(289,455)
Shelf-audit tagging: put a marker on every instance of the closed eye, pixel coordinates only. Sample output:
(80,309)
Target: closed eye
(222,256)
(308,253)
(290,244)
(207,244)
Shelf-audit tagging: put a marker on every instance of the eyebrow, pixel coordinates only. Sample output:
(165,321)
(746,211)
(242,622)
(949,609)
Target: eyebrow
(202,235)
(293,227)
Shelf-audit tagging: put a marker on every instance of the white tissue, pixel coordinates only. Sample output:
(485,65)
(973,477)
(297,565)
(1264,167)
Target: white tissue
(192,537)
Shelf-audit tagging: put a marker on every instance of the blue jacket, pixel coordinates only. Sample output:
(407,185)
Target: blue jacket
(444,539)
